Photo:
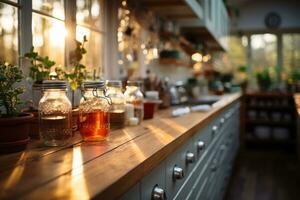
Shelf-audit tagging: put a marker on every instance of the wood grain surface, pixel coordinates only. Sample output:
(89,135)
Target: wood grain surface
(104,169)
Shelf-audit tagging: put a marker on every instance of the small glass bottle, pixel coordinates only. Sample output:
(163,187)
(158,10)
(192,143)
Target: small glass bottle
(117,109)
(55,114)
(134,103)
(93,111)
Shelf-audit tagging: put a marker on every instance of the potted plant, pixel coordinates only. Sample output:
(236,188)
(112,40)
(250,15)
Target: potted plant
(264,80)
(293,82)
(77,75)
(14,125)
(79,72)
(241,77)
(40,69)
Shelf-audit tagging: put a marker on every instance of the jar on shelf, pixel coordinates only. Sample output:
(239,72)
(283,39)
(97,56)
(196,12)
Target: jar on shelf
(94,111)
(55,114)
(117,109)
(134,103)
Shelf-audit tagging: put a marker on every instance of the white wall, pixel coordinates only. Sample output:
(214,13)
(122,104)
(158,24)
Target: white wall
(252,15)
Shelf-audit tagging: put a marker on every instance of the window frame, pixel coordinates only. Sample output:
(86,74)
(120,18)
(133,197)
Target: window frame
(25,38)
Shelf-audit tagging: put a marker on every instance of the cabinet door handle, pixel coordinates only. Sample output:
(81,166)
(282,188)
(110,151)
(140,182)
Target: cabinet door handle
(178,173)
(190,157)
(158,193)
(214,130)
(200,145)
(222,121)
(214,166)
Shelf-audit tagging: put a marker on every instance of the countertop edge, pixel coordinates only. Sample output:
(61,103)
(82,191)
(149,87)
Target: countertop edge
(122,185)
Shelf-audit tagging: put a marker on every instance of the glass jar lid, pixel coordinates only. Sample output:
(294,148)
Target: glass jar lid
(114,83)
(134,83)
(93,84)
(54,84)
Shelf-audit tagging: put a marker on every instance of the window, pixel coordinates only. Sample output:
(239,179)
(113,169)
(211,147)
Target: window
(9,41)
(234,57)
(264,51)
(291,52)
(48,29)
(89,22)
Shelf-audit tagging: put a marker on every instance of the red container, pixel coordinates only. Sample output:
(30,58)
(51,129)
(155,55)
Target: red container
(149,108)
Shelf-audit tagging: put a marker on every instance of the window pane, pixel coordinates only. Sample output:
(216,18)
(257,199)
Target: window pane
(89,13)
(9,33)
(93,58)
(49,37)
(234,58)
(96,13)
(264,51)
(82,14)
(52,7)
(291,52)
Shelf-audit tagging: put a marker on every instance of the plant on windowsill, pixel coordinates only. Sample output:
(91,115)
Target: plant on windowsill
(40,69)
(264,80)
(14,125)
(79,72)
(77,75)
(241,77)
(293,81)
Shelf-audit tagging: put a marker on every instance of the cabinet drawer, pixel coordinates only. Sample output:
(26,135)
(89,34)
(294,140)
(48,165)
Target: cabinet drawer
(176,160)
(201,141)
(156,178)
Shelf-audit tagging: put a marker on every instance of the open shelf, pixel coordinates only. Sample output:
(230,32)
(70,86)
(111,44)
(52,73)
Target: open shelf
(268,114)
(270,122)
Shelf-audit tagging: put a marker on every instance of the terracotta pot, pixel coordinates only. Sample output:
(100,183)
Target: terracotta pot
(34,124)
(14,133)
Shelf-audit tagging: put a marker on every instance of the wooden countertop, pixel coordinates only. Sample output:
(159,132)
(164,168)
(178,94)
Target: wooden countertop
(104,169)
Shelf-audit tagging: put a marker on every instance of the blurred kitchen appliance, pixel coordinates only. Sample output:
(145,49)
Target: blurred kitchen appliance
(178,93)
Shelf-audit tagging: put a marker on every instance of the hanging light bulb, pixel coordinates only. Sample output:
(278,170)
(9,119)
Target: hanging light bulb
(197,57)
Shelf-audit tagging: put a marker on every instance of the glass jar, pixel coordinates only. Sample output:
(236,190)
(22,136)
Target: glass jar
(55,114)
(134,103)
(117,109)
(93,111)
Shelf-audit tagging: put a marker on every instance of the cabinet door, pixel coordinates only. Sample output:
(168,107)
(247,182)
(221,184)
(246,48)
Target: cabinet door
(154,180)
(174,180)
(132,194)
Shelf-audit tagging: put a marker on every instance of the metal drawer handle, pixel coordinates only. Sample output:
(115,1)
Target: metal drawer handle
(222,121)
(223,147)
(158,193)
(200,145)
(178,173)
(214,129)
(190,157)
(214,166)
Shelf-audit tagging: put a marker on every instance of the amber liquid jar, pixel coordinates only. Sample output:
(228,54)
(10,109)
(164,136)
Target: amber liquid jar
(94,112)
